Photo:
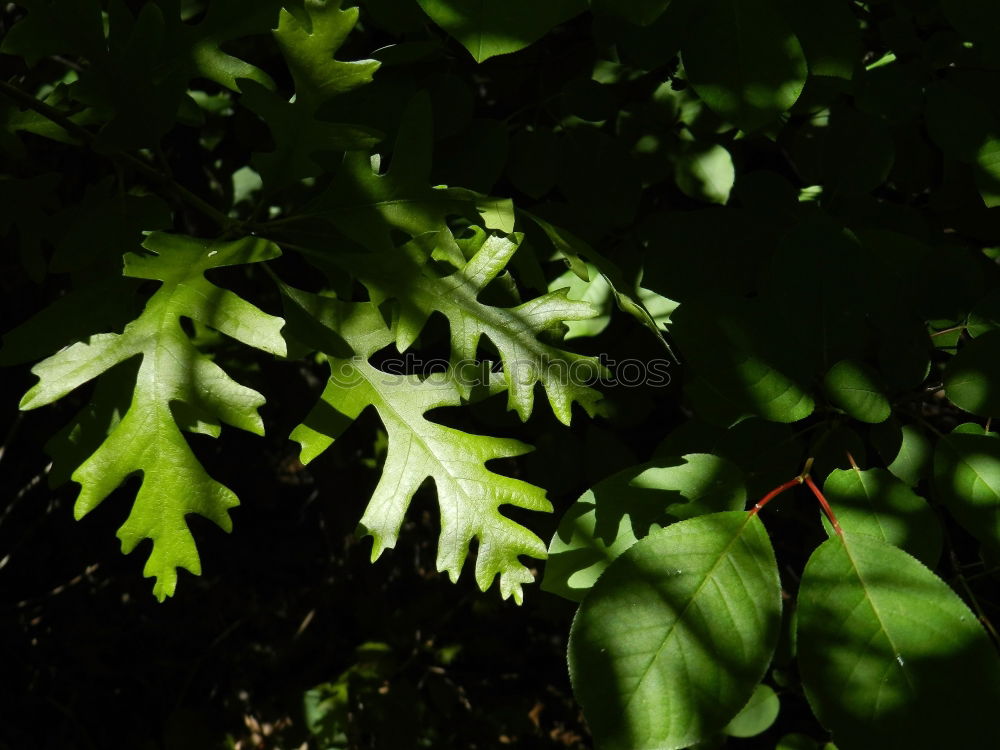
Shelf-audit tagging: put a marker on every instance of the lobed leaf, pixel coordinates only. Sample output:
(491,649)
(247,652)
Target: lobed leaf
(514,331)
(469,494)
(176,387)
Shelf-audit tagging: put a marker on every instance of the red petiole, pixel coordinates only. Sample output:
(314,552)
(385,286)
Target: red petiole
(803,478)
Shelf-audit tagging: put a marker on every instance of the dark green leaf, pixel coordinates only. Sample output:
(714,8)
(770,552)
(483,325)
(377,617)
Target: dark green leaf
(639,12)
(889,655)
(744,60)
(491,27)
(972,378)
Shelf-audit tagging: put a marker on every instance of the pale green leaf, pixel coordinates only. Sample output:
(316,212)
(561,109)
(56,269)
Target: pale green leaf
(299,133)
(514,331)
(176,387)
(596,291)
(469,494)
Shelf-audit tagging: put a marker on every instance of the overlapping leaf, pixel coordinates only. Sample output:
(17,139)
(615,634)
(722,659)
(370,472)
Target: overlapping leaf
(874,502)
(469,494)
(177,387)
(402,275)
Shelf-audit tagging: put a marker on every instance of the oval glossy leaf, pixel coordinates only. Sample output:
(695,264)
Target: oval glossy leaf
(491,27)
(889,655)
(972,378)
(905,449)
(967,480)
(735,370)
(757,715)
(854,387)
(874,502)
(611,516)
(744,61)
(671,641)
(706,174)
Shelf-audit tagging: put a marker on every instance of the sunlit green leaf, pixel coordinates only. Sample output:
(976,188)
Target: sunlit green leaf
(757,715)
(967,480)
(469,494)
(177,387)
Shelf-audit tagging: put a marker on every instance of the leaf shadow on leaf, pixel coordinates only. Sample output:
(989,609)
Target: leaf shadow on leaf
(967,482)
(627,506)
(723,632)
(934,686)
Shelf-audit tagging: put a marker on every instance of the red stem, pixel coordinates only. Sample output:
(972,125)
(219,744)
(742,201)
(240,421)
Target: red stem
(773,494)
(825,505)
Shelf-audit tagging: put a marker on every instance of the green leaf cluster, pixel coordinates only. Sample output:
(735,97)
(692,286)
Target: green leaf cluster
(794,204)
